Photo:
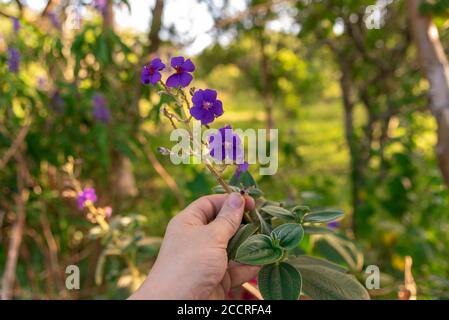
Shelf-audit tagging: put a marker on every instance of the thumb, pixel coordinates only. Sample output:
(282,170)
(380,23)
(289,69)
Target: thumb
(229,218)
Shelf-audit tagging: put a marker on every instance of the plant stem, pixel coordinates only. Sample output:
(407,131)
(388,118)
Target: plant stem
(97,215)
(218,177)
(209,165)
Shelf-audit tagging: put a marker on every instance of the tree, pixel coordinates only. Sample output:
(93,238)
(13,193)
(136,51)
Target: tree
(436,68)
(376,74)
(156,25)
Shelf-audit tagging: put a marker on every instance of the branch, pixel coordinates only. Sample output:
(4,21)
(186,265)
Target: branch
(9,275)
(47,8)
(7,15)
(52,251)
(15,146)
(20,6)
(171,183)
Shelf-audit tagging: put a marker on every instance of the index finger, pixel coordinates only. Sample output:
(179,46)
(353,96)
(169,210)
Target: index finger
(204,210)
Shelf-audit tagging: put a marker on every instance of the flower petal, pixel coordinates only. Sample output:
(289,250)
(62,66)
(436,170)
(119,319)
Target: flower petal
(197,112)
(155,78)
(177,61)
(212,138)
(157,64)
(239,154)
(217,152)
(208,117)
(185,79)
(145,77)
(234,152)
(197,98)
(210,95)
(173,80)
(236,140)
(243,167)
(188,66)
(218,108)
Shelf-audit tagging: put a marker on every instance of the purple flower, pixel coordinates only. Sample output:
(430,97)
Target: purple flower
(88,194)
(333,225)
(13,60)
(101,111)
(241,168)
(100,5)
(225,144)
(15,24)
(206,107)
(182,77)
(54,20)
(150,72)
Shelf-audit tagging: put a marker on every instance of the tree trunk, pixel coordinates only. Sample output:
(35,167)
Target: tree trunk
(436,67)
(49,7)
(108,15)
(156,24)
(355,163)
(267,92)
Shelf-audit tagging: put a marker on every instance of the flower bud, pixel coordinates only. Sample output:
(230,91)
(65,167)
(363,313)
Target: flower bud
(163,151)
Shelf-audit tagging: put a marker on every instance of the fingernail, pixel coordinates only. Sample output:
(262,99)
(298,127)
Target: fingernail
(235,200)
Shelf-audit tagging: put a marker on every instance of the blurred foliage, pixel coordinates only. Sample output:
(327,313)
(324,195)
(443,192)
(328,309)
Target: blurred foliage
(404,205)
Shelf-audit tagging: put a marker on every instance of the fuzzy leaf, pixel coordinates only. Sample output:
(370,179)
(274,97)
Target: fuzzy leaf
(279,281)
(317,230)
(321,282)
(300,210)
(221,190)
(258,250)
(255,193)
(289,235)
(265,227)
(323,216)
(245,180)
(244,232)
(279,212)
(312,261)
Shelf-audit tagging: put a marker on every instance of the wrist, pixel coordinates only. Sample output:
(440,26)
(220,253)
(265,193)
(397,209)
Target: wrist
(156,287)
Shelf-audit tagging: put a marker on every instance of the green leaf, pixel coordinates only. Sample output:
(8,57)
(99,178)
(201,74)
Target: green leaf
(289,235)
(244,232)
(317,230)
(323,216)
(340,249)
(300,210)
(245,180)
(102,49)
(255,193)
(265,227)
(258,250)
(312,261)
(221,190)
(321,282)
(279,281)
(279,212)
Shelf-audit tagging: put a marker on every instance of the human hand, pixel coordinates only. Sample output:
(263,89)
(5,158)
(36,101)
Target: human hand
(192,262)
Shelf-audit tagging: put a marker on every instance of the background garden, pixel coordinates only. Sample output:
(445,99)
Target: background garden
(352,91)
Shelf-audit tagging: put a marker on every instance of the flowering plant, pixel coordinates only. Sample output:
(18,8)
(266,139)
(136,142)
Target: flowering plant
(270,234)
